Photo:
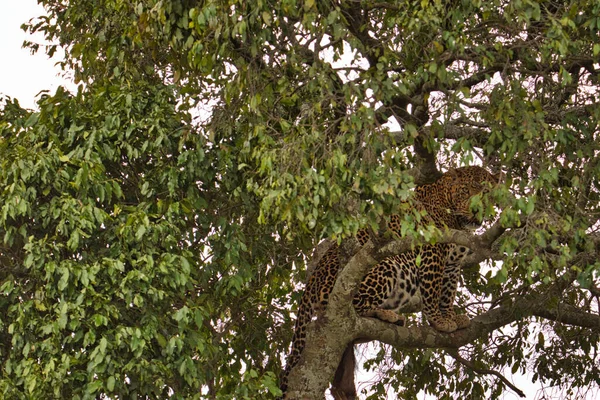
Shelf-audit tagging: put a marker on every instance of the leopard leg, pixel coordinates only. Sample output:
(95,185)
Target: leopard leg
(448,294)
(431,273)
(385,315)
(376,295)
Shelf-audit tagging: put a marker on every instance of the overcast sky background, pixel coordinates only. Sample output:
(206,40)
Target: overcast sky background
(23,76)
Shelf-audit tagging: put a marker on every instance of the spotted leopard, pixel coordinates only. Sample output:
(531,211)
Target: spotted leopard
(426,276)
(398,283)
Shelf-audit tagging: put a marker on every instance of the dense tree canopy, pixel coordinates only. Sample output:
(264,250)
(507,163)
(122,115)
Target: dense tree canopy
(156,225)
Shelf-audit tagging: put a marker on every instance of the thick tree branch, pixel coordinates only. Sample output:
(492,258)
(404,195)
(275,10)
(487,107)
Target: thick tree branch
(567,314)
(326,342)
(396,107)
(334,337)
(479,245)
(427,161)
(343,386)
(481,326)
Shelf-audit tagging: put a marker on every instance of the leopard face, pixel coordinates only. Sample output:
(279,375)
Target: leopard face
(448,200)
(425,277)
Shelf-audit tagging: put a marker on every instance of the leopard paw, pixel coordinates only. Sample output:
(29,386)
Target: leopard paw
(385,315)
(462,321)
(443,324)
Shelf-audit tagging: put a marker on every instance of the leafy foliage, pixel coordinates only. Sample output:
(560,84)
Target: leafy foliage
(155,224)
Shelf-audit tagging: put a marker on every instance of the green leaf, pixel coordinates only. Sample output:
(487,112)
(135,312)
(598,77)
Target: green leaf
(110,383)
(32,120)
(529,207)
(140,232)
(31,384)
(515,368)
(63,282)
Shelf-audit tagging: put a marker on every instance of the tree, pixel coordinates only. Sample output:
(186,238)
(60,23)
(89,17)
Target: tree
(156,224)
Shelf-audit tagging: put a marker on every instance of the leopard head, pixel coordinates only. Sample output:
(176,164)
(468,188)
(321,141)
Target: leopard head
(466,183)
(448,200)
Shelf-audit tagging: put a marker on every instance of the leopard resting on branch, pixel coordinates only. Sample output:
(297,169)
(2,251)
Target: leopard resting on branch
(426,276)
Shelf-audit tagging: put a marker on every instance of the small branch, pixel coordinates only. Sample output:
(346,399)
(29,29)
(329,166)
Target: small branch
(454,353)
(477,77)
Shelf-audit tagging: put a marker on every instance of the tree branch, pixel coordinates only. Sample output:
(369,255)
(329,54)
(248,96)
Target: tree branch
(427,160)
(534,304)
(326,341)
(479,244)
(567,314)
(357,25)
(454,353)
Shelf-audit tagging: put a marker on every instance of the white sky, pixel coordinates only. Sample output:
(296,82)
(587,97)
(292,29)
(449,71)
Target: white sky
(23,76)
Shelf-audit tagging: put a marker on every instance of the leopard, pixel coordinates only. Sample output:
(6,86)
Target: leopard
(425,277)
(398,283)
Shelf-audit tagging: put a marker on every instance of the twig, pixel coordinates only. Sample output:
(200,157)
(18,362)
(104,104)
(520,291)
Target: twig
(470,365)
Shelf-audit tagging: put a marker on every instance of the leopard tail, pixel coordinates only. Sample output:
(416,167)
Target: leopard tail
(304,316)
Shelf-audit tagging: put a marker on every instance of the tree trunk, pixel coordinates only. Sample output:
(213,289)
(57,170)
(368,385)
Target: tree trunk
(343,386)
